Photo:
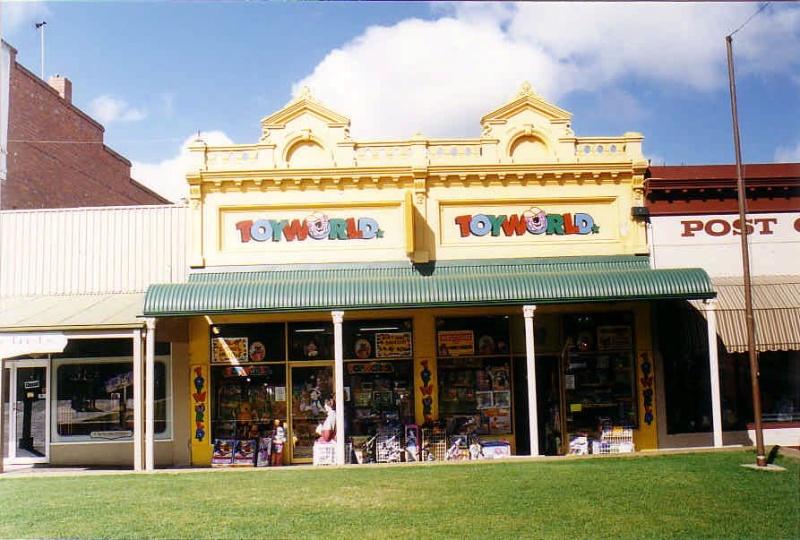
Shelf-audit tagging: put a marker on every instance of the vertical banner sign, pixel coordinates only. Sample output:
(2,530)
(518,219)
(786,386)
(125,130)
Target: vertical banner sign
(200,401)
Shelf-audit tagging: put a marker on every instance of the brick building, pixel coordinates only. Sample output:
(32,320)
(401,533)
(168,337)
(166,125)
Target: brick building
(54,153)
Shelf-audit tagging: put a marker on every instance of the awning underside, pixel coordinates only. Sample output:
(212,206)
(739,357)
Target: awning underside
(462,283)
(776,313)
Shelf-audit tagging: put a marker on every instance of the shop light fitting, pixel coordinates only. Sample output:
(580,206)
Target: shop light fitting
(378,328)
(309,330)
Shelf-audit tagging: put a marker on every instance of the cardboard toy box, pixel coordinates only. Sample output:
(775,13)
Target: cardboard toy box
(245,453)
(222,455)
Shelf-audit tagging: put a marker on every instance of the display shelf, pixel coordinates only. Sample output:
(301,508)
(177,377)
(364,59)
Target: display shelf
(600,383)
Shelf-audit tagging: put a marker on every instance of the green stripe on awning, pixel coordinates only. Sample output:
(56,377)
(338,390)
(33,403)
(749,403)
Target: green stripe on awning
(441,284)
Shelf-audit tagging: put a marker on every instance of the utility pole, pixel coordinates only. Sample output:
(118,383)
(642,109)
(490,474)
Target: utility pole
(40,27)
(761,459)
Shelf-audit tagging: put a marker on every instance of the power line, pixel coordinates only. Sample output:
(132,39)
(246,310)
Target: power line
(764,5)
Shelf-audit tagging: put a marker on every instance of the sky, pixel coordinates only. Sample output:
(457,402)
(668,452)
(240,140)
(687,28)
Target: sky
(155,73)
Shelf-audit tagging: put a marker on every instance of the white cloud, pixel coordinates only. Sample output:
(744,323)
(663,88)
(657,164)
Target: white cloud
(108,109)
(14,15)
(441,76)
(168,178)
(788,155)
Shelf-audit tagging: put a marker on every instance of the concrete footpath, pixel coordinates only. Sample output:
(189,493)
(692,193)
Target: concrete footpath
(15,471)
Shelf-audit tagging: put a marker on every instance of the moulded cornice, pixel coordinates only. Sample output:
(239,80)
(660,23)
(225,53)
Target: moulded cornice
(405,177)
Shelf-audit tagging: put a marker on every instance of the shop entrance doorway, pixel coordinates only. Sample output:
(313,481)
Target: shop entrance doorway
(311,386)
(26,407)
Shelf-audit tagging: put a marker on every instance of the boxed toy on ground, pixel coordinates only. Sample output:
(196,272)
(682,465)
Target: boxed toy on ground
(245,453)
(223,452)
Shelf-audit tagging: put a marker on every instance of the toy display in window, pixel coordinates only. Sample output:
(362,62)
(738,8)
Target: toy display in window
(278,442)
(327,429)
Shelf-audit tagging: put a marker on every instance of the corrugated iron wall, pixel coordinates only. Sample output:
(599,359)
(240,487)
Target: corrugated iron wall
(91,250)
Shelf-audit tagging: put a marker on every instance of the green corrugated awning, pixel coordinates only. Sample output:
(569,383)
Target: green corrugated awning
(439,284)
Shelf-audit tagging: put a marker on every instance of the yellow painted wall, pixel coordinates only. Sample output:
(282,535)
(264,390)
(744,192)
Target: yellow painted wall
(305,165)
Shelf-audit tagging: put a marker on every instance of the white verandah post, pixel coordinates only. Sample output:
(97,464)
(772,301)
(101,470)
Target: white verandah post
(149,395)
(338,377)
(138,402)
(713,366)
(531,370)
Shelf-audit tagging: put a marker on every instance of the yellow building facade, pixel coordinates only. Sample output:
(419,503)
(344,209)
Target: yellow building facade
(438,291)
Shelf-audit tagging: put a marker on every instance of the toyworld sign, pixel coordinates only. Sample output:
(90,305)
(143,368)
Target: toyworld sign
(533,221)
(317,226)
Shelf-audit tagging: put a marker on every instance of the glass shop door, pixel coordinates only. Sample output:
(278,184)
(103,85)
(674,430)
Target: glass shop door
(311,385)
(26,408)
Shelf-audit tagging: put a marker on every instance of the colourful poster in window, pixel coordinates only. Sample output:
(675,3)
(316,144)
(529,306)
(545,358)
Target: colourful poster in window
(229,350)
(456,343)
(392,345)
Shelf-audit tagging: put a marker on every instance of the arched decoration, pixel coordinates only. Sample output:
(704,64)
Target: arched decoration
(305,151)
(530,146)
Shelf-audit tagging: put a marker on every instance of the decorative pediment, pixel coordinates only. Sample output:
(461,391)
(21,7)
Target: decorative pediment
(304,105)
(526,100)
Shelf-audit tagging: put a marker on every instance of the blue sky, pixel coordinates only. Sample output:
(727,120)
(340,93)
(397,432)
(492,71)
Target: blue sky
(154,73)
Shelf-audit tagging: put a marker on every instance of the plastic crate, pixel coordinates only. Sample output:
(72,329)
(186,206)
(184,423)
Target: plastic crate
(324,453)
(434,444)
(614,440)
(389,445)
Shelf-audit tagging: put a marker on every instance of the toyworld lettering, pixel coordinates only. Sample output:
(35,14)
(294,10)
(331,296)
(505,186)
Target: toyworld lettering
(532,221)
(317,226)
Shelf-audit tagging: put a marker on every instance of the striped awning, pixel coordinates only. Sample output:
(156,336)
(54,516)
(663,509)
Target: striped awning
(439,284)
(776,312)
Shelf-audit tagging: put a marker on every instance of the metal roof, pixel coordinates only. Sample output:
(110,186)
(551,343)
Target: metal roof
(776,312)
(60,312)
(438,284)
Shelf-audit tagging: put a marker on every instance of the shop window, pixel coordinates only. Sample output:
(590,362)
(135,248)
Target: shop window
(94,399)
(311,341)
(599,377)
(474,372)
(246,343)
(378,394)
(779,377)
(246,400)
(377,339)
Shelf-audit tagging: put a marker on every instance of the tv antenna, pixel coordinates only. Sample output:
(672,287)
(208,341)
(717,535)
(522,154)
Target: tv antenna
(40,27)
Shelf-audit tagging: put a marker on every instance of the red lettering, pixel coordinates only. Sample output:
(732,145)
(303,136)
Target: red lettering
(765,224)
(691,226)
(463,223)
(569,225)
(737,227)
(244,229)
(514,225)
(797,224)
(712,230)
(352,231)
(296,230)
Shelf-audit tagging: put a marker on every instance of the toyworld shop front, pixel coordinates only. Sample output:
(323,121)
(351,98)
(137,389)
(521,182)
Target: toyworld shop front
(357,302)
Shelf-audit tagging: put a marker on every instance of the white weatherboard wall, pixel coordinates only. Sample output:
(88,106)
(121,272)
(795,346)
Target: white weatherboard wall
(91,250)
(713,242)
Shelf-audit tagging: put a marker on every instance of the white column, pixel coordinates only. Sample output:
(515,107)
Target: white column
(2,408)
(149,394)
(338,377)
(137,400)
(713,366)
(533,418)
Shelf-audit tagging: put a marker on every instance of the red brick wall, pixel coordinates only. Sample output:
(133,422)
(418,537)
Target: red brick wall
(56,155)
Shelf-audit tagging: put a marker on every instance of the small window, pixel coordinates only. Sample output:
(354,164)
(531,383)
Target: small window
(311,341)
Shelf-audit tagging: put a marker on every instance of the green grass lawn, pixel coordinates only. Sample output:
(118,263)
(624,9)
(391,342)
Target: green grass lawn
(702,495)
